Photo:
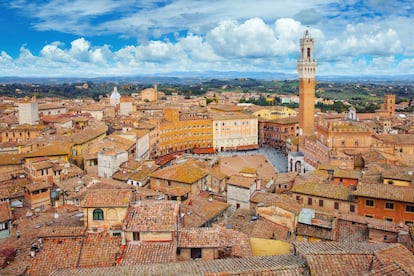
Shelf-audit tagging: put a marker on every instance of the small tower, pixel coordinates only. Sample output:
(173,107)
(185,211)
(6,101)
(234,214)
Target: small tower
(306,71)
(389,104)
(115,97)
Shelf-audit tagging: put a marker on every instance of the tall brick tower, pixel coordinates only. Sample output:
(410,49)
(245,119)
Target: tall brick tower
(306,71)
(389,104)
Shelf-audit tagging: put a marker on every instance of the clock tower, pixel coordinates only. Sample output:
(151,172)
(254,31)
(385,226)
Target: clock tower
(306,71)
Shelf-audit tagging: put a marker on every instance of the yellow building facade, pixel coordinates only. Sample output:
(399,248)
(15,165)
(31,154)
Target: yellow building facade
(234,131)
(275,112)
(181,132)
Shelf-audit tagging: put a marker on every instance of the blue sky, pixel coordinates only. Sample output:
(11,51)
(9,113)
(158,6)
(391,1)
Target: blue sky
(90,38)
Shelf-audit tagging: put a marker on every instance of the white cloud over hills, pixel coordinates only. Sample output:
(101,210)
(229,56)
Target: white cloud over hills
(197,36)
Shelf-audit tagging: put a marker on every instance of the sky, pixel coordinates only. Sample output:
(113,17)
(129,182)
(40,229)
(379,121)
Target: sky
(97,38)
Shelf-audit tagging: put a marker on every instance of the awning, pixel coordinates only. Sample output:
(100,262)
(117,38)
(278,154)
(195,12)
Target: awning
(203,151)
(247,147)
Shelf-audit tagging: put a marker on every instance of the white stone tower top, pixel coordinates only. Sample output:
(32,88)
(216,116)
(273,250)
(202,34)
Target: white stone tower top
(115,97)
(307,62)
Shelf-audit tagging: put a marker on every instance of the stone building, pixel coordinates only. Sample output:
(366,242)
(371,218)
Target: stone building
(185,132)
(109,161)
(105,209)
(275,133)
(28,113)
(234,131)
(180,181)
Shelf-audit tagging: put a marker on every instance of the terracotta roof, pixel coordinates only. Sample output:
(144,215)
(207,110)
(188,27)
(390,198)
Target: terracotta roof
(199,211)
(388,269)
(285,120)
(285,202)
(187,172)
(49,106)
(219,116)
(4,193)
(400,139)
(93,107)
(285,177)
(144,172)
(385,191)
(11,159)
(173,191)
(140,253)
(331,248)
(150,215)
(53,149)
(99,249)
(339,264)
(264,265)
(37,186)
(351,174)
(5,212)
(266,229)
(238,242)
(326,190)
(399,255)
(56,253)
(107,198)
(374,223)
(199,238)
(241,181)
(42,165)
(84,135)
(63,231)
(399,173)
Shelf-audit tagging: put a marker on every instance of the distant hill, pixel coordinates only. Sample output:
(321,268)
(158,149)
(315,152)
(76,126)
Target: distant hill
(197,77)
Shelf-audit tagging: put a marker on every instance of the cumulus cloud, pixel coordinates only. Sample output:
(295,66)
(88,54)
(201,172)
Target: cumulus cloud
(363,39)
(184,35)
(252,38)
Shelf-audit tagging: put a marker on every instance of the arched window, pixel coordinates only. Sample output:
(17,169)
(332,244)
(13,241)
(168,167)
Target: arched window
(98,214)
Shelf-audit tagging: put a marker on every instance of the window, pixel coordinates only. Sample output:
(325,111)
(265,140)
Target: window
(309,201)
(195,253)
(135,236)
(389,205)
(385,237)
(409,222)
(320,202)
(4,226)
(409,208)
(389,219)
(369,216)
(98,214)
(369,203)
(336,205)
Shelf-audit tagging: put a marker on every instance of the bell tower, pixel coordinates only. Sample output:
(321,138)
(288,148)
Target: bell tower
(306,71)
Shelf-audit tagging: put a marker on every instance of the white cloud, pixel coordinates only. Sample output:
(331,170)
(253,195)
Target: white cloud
(363,39)
(224,35)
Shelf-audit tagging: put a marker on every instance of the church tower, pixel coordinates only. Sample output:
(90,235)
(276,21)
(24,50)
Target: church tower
(306,71)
